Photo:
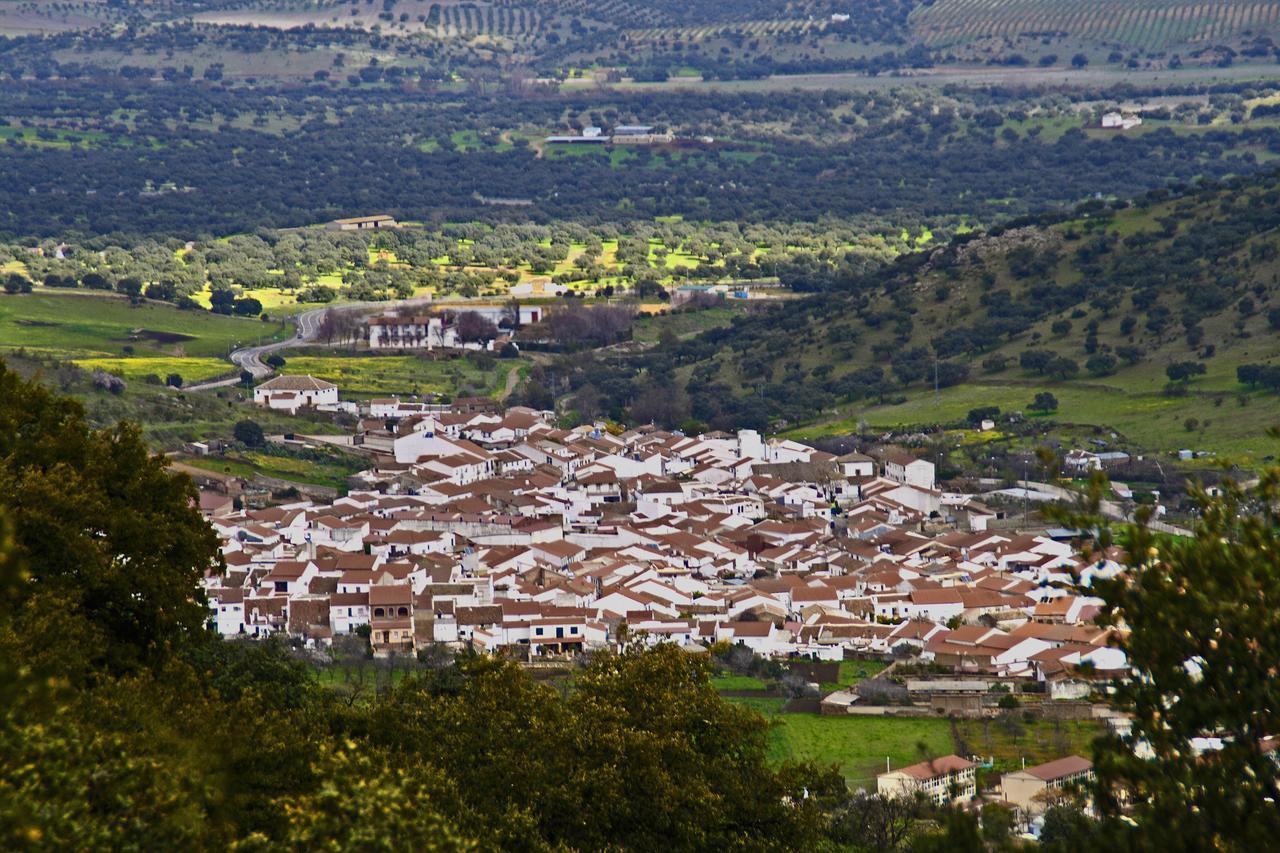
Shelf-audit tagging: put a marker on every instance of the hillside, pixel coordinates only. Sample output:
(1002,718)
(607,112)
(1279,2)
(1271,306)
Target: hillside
(646,42)
(1092,307)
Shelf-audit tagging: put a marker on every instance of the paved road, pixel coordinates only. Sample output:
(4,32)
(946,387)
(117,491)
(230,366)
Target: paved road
(307,329)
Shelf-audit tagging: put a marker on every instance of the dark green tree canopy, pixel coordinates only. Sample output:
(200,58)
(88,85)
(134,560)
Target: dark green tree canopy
(101,523)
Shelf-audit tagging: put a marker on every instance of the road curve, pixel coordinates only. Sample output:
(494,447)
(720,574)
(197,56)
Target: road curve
(307,330)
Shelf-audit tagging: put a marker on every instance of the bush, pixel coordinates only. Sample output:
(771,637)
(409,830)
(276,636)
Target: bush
(249,433)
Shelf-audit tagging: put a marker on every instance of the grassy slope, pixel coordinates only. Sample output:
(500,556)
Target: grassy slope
(365,376)
(99,326)
(860,745)
(332,473)
(1230,418)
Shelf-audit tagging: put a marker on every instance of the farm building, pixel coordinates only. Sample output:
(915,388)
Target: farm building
(638,134)
(1120,121)
(537,288)
(363,223)
(589,136)
(420,332)
(290,393)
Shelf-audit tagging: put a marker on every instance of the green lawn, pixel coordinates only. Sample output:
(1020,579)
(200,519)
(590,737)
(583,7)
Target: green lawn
(73,324)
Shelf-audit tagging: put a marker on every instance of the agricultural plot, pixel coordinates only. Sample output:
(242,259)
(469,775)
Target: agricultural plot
(751,29)
(190,369)
(1009,740)
(512,22)
(1147,24)
(860,745)
(375,376)
(857,745)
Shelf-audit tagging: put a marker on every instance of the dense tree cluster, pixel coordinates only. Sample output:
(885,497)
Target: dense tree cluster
(167,172)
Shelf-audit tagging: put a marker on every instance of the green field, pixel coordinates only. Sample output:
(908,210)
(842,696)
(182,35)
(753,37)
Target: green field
(685,324)
(1010,741)
(332,473)
(190,369)
(1146,419)
(368,376)
(98,326)
(853,671)
(858,745)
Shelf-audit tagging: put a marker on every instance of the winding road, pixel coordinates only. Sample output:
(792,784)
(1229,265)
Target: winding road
(307,330)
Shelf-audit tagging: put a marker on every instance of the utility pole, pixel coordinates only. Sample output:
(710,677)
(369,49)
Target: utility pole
(1025,488)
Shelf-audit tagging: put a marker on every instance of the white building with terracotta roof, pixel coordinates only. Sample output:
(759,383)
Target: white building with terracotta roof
(943,780)
(290,393)
(1033,789)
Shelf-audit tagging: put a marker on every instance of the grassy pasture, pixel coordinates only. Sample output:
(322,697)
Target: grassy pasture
(190,369)
(332,472)
(728,681)
(98,326)
(858,745)
(1147,419)
(1008,742)
(685,324)
(372,376)
(60,138)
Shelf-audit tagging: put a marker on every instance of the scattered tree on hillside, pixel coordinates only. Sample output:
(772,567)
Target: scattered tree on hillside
(1044,402)
(1182,371)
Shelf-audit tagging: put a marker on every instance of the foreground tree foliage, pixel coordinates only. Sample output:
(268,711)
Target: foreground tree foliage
(106,532)
(1203,620)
